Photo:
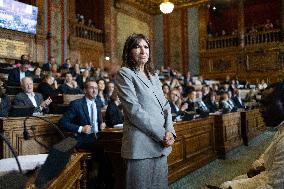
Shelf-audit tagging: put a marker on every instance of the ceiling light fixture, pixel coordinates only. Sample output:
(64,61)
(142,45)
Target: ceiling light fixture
(167,7)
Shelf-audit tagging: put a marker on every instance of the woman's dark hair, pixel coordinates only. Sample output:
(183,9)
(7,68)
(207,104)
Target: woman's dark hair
(131,42)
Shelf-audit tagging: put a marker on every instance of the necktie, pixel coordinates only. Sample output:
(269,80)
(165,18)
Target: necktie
(93,118)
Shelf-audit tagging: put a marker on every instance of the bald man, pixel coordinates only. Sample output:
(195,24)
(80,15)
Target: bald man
(30,98)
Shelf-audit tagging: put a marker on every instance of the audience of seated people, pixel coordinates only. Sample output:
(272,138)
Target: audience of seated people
(177,109)
(208,94)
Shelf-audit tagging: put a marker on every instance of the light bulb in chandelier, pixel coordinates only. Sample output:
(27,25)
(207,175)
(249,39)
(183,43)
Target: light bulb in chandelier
(167,7)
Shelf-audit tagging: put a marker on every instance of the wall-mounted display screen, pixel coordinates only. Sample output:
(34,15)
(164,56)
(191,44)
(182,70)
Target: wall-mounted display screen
(18,16)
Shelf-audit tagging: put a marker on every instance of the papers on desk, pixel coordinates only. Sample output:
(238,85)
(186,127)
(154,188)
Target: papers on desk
(118,126)
(28,162)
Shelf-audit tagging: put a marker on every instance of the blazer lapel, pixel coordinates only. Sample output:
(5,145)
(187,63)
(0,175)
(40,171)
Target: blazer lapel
(28,99)
(142,79)
(85,109)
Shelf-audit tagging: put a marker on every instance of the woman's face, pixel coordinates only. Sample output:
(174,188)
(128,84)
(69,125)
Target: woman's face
(166,89)
(101,85)
(140,53)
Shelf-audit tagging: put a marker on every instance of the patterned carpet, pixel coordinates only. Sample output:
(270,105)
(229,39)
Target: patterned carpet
(237,162)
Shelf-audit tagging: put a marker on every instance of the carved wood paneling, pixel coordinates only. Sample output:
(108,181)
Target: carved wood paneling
(227,132)
(43,132)
(252,124)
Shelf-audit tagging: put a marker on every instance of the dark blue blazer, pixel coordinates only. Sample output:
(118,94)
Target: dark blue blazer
(78,115)
(14,77)
(237,102)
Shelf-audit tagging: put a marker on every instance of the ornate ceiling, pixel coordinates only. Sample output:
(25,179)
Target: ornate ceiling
(152,6)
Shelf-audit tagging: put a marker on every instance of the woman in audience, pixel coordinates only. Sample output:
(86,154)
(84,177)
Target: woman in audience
(37,77)
(166,90)
(48,87)
(5,104)
(175,103)
(81,79)
(114,114)
(101,97)
(70,86)
(109,89)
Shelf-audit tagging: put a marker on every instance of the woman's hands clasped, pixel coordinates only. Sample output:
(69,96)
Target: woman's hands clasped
(169,139)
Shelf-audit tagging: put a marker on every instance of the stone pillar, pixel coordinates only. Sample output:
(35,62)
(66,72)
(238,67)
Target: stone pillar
(241,23)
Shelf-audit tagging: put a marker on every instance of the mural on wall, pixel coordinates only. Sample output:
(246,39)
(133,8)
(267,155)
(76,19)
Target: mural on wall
(158,50)
(57,30)
(127,25)
(193,37)
(175,40)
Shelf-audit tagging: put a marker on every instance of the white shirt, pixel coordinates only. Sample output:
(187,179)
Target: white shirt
(22,75)
(32,98)
(94,124)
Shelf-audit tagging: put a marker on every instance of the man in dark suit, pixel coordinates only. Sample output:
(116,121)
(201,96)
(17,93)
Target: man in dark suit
(47,66)
(80,120)
(237,99)
(84,119)
(17,74)
(30,98)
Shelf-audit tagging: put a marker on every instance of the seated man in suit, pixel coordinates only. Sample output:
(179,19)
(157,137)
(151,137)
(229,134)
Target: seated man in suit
(267,172)
(237,99)
(17,74)
(84,119)
(30,98)
(47,66)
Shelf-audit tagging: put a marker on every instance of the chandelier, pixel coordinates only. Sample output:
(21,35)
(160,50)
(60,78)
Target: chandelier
(167,7)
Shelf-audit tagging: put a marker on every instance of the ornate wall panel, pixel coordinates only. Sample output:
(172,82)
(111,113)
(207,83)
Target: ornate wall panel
(158,50)
(193,40)
(126,25)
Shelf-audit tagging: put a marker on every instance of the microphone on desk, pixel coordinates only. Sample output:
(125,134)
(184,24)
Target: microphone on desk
(12,180)
(56,161)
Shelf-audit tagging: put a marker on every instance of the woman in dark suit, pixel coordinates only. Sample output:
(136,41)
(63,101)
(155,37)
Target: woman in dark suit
(5,104)
(113,112)
(148,131)
(48,87)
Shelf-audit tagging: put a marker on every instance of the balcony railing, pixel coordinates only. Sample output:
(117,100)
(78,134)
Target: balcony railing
(262,37)
(90,33)
(249,39)
(222,42)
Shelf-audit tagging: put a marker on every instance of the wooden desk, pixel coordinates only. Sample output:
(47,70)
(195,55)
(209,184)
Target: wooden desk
(252,124)
(227,132)
(13,130)
(193,148)
(73,176)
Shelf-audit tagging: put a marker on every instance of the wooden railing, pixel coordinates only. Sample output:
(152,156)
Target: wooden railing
(222,42)
(262,37)
(89,33)
(249,39)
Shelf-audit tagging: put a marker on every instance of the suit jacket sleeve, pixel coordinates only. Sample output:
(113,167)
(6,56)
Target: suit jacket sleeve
(14,77)
(137,116)
(67,120)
